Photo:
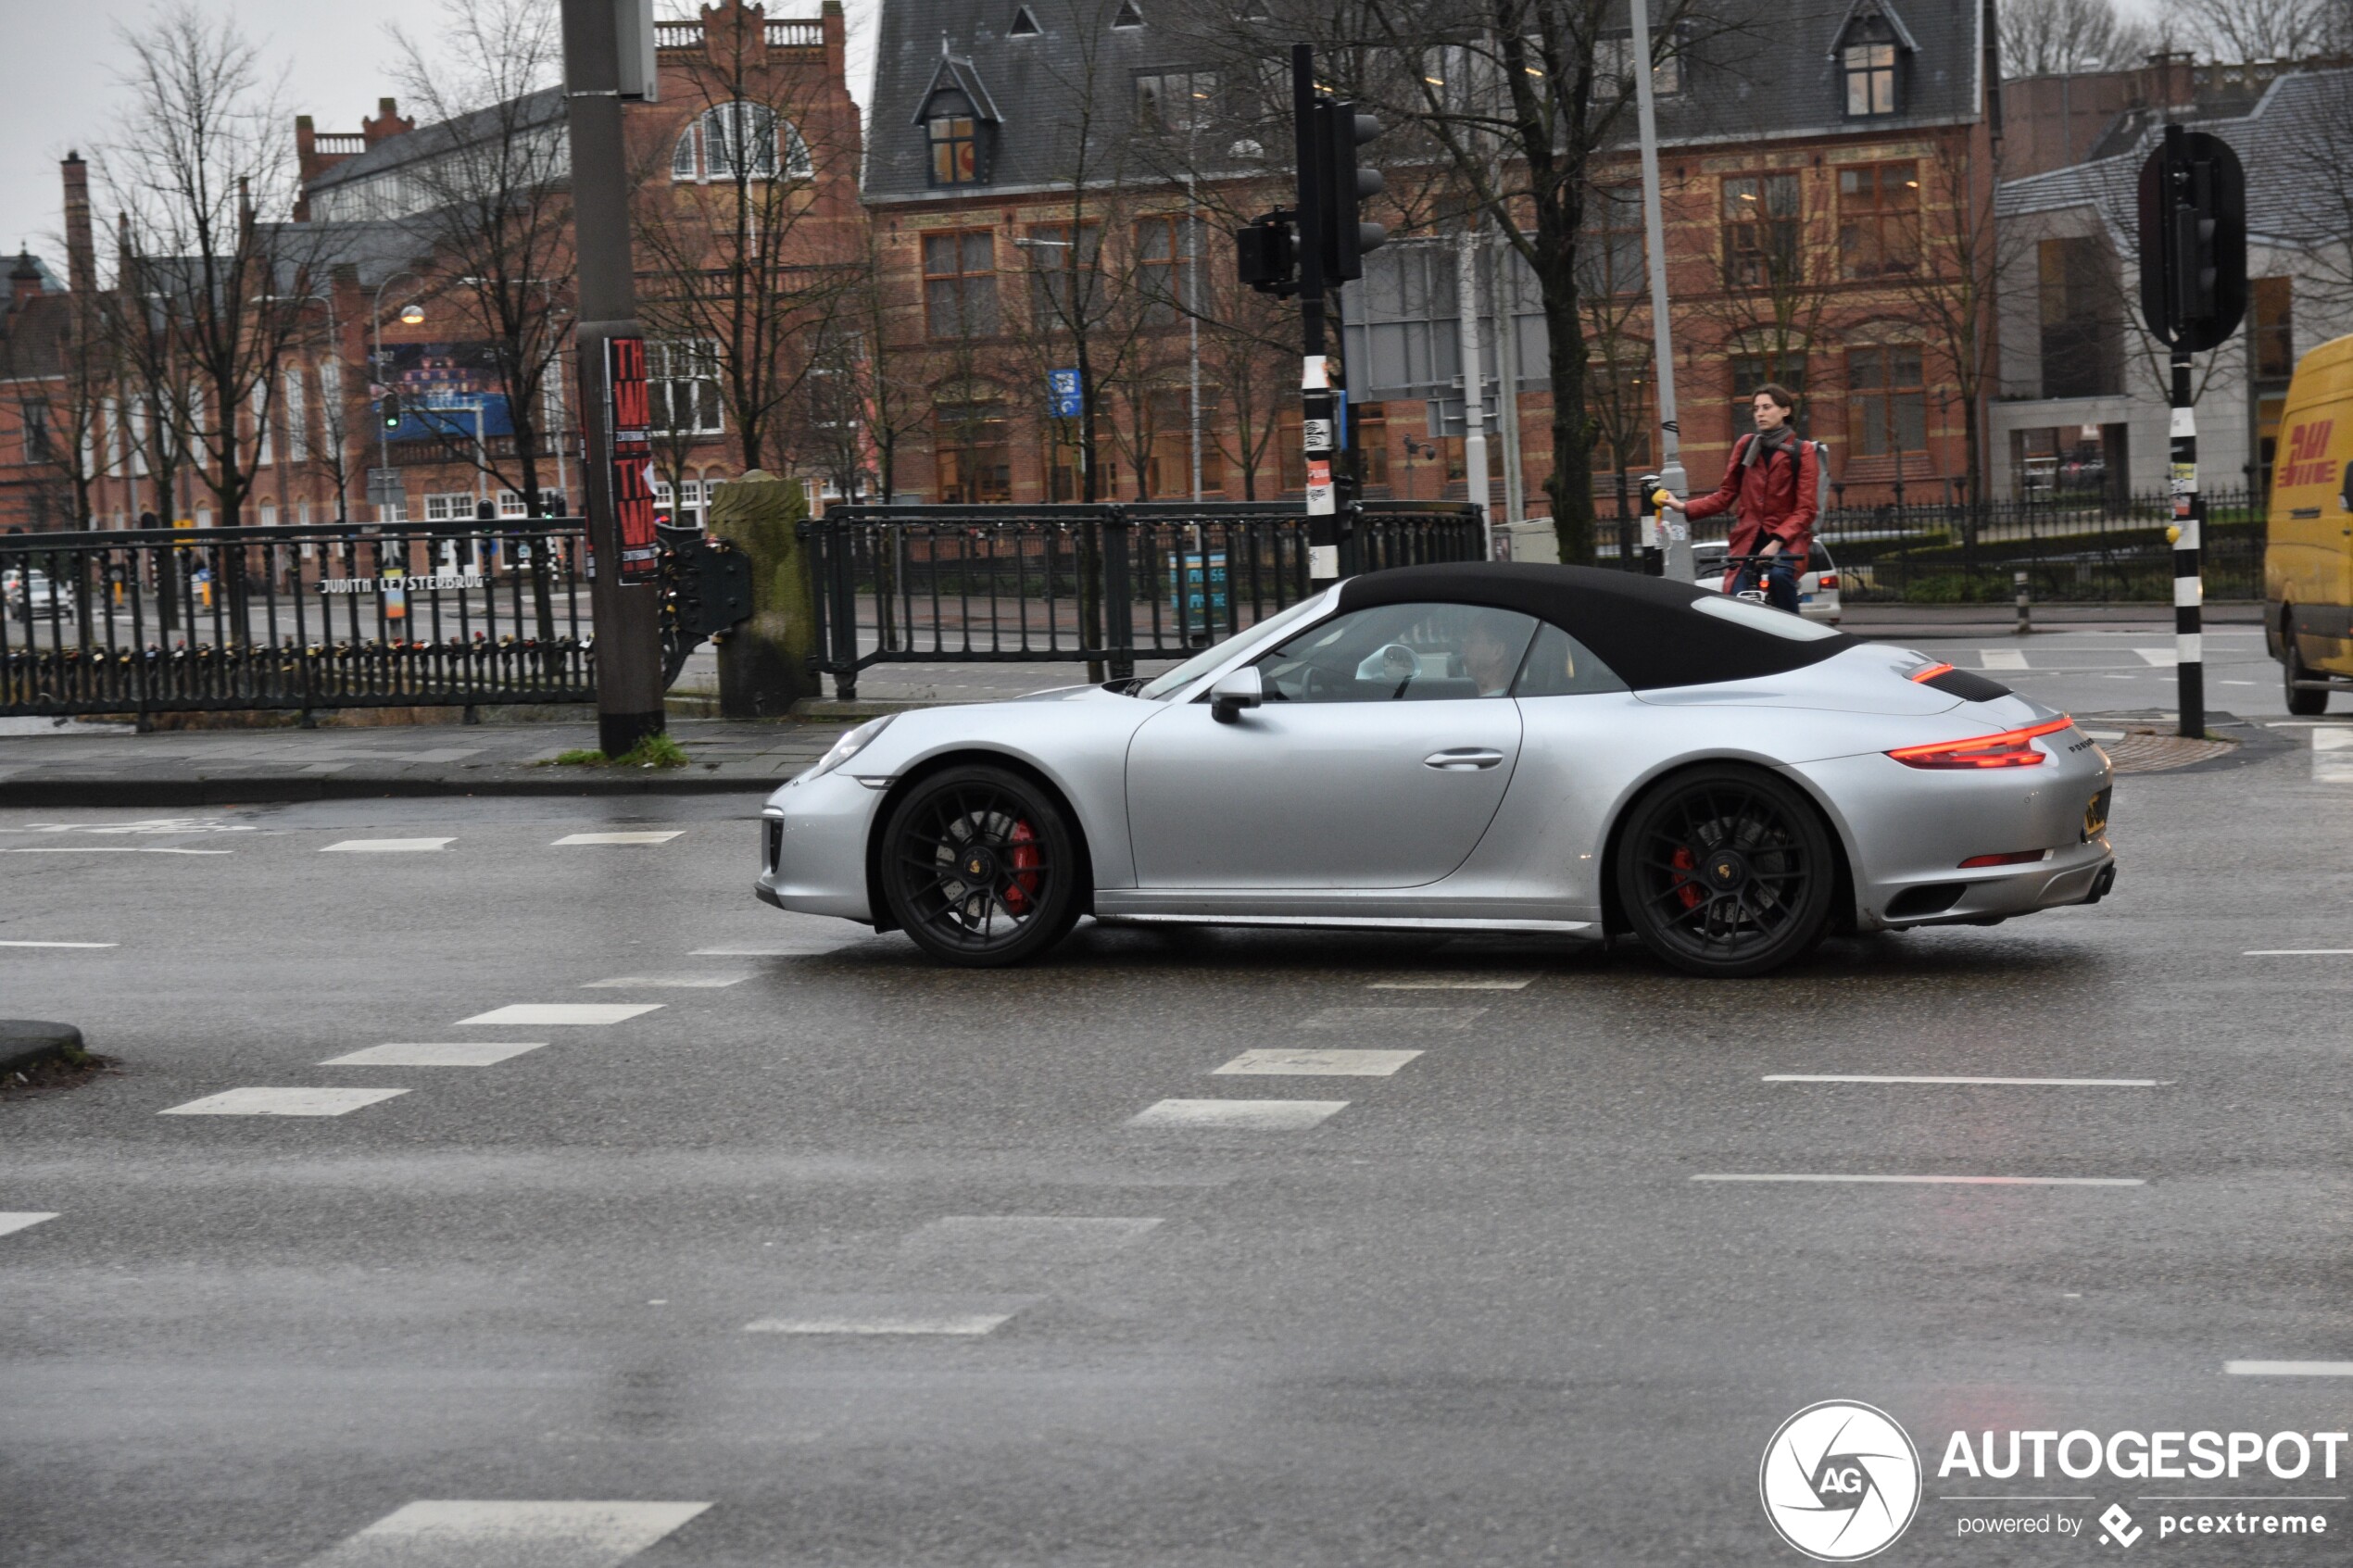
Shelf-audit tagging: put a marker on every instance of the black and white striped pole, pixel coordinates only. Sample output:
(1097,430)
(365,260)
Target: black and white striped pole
(2193,294)
(2189,587)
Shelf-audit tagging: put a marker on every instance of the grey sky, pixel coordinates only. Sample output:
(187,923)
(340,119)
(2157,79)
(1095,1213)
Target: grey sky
(65,65)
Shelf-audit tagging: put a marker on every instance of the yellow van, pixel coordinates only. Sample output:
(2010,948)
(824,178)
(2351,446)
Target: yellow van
(2308,563)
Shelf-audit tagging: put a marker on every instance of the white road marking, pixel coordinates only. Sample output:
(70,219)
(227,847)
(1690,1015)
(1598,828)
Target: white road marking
(617,838)
(2333,740)
(163,826)
(456,1533)
(384,845)
(669,982)
(1413,1019)
(453,1053)
(281,1102)
(2163,658)
(61,944)
(1257,1115)
(25,1219)
(561,1013)
(1303,1064)
(2001,659)
(1891,1078)
(2289,1368)
(1027,1238)
(942,1322)
(2298,953)
(1945,1181)
(113,849)
(1455,983)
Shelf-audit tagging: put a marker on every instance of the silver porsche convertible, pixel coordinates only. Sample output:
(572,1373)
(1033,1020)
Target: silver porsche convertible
(1471,747)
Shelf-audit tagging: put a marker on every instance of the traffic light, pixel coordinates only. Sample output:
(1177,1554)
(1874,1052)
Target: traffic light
(2193,240)
(388,410)
(1345,188)
(1266,254)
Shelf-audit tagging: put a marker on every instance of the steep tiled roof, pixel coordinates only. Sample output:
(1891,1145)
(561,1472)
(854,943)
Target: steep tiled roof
(2299,131)
(1764,72)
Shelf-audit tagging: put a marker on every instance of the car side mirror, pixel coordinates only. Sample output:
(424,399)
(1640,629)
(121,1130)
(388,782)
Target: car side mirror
(1236,690)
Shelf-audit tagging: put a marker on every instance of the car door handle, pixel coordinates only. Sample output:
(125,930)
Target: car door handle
(1462,759)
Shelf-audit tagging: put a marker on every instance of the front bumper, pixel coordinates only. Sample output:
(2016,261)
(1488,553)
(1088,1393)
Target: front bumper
(813,837)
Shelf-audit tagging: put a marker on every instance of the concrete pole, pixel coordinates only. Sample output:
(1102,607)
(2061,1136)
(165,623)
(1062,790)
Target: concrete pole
(1670,468)
(628,616)
(1474,424)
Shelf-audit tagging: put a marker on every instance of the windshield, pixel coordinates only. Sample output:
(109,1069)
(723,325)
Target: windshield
(1210,657)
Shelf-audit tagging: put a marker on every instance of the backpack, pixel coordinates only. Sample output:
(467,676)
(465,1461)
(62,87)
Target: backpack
(1822,467)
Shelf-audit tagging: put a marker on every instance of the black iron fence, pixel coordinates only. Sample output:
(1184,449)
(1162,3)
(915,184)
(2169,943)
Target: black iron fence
(161,621)
(1105,584)
(2083,551)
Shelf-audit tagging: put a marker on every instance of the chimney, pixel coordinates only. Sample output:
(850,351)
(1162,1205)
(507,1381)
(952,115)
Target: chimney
(82,255)
(389,122)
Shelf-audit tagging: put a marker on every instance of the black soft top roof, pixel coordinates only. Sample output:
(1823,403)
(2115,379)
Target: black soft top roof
(1643,628)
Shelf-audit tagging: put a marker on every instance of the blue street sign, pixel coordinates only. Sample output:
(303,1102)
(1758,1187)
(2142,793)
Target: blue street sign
(1063,399)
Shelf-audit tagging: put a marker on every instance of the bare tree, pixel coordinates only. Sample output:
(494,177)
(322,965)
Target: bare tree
(2259,30)
(496,216)
(201,160)
(1512,102)
(1948,268)
(2062,37)
(720,218)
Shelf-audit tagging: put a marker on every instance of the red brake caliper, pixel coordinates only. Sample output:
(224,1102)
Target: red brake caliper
(1684,886)
(1020,888)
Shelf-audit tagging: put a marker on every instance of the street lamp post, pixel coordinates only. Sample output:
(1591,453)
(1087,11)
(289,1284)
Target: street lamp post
(409,314)
(628,613)
(335,427)
(1670,471)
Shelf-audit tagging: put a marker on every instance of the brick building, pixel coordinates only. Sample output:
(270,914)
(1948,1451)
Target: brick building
(753,115)
(1824,198)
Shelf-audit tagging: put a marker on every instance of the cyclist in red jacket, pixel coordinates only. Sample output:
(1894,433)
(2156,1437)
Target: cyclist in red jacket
(1773,479)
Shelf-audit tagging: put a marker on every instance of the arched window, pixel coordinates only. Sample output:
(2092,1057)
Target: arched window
(739,138)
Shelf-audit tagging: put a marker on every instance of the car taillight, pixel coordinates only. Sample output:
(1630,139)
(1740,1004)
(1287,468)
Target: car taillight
(2011,748)
(2015,857)
(1829,580)
(1930,673)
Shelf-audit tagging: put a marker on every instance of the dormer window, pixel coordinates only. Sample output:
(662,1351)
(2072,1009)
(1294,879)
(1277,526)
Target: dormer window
(1128,16)
(1024,25)
(956,141)
(1870,60)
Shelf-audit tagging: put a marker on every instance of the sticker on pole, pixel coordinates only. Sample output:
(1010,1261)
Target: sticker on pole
(629,420)
(1319,487)
(1317,433)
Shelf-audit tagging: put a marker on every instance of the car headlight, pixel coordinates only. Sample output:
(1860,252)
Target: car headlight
(849,745)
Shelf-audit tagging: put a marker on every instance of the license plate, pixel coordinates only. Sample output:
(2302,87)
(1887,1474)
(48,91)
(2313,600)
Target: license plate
(2096,814)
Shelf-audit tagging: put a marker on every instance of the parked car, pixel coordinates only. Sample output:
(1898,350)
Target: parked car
(1816,586)
(1467,748)
(30,596)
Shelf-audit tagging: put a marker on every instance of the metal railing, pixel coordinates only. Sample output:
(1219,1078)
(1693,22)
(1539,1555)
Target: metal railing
(1105,584)
(2083,549)
(161,621)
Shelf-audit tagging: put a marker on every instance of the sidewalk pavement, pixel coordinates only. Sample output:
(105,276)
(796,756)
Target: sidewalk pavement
(44,764)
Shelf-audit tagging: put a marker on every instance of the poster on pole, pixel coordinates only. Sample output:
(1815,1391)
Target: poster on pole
(628,419)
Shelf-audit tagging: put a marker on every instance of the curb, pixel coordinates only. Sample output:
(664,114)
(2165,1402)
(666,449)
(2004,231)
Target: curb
(49,793)
(26,1042)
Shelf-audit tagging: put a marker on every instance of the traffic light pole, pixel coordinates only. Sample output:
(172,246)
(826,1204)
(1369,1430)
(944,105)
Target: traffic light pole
(2189,589)
(628,614)
(1317,402)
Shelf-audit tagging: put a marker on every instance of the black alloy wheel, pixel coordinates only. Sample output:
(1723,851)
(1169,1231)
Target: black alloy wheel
(1725,871)
(980,868)
(2303,704)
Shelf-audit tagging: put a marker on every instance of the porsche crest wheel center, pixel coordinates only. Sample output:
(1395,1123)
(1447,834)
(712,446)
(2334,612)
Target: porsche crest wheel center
(978,863)
(1726,870)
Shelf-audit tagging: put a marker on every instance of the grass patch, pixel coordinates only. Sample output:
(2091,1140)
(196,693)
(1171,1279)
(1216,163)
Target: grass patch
(651,751)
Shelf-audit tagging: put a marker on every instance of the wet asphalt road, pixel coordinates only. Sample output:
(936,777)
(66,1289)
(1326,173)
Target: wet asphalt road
(1482,1313)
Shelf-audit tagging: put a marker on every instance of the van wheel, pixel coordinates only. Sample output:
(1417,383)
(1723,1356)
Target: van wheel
(2304,704)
